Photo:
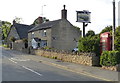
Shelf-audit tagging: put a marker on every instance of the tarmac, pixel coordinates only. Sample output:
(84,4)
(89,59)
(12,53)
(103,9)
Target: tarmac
(92,71)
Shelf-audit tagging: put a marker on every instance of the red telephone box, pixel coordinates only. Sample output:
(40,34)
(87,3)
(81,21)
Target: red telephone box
(105,42)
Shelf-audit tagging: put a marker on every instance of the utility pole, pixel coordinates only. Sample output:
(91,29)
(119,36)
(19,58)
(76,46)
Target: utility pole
(113,28)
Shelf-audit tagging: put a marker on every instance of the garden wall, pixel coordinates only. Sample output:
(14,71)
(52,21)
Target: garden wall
(89,59)
(113,68)
(20,46)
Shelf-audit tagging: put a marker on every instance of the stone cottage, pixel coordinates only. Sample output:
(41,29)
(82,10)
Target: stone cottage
(59,34)
(20,33)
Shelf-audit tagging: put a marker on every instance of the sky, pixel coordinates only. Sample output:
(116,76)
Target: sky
(29,10)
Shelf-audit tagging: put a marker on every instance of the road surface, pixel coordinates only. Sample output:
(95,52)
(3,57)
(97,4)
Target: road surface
(17,68)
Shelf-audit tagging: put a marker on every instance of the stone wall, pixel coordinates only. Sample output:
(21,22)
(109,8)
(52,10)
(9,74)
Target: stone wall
(89,59)
(113,68)
(65,36)
(38,34)
(19,45)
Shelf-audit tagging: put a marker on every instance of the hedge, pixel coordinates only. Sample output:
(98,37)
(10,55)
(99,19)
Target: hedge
(110,58)
(89,44)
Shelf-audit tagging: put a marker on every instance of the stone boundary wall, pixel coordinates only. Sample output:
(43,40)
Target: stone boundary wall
(112,68)
(89,59)
(19,46)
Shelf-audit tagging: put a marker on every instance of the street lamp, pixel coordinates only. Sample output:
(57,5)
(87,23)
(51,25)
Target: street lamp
(42,10)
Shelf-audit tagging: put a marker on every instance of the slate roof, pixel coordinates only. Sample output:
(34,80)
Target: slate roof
(22,29)
(46,25)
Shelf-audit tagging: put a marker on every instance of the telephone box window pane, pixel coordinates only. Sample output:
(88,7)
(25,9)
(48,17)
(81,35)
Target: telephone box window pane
(103,43)
(103,49)
(103,40)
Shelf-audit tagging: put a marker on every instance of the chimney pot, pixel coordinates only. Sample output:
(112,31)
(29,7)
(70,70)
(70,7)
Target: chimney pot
(64,7)
(64,13)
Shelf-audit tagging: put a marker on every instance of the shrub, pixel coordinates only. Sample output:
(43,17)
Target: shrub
(89,44)
(12,39)
(54,57)
(6,46)
(110,58)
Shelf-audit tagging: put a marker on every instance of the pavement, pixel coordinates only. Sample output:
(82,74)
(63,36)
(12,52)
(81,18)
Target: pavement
(96,72)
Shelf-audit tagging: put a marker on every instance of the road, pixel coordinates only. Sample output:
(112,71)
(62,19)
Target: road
(17,68)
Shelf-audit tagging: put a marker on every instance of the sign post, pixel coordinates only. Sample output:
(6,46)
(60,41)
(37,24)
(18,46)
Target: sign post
(84,17)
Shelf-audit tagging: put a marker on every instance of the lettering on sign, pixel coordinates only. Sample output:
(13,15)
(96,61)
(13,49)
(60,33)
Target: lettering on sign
(104,35)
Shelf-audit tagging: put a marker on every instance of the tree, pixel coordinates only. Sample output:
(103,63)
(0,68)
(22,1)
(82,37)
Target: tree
(107,29)
(90,33)
(90,44)
(117,33)
(5,29)
(12,39)
(117,39)
(40,20)
(18,20)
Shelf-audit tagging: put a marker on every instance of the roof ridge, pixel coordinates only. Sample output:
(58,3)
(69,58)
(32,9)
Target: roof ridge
(21,24)
(45,25)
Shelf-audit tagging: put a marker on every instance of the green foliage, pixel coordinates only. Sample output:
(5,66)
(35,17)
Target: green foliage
(117,33)
(12,39)
(47,48)
(6,46)
(47,56)
(90,33)
(18,20)
(110,58)
(40,20)
(107,29)
(117,43)
(117,39)
(54,57)
(25,40)
(117,36)
(90,44)
(5,29)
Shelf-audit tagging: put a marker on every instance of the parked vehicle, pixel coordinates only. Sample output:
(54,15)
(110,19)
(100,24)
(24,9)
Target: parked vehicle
(75,50)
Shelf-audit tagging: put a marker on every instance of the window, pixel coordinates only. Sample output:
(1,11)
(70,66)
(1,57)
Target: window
(44,33)
(43,43)
(103,46)
(32,35)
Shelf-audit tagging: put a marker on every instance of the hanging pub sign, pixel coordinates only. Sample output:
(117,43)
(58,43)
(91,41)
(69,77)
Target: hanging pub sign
(83,16)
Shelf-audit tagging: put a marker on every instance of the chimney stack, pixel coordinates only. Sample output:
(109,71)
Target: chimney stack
(40,20)
(14,21)
(64,13)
